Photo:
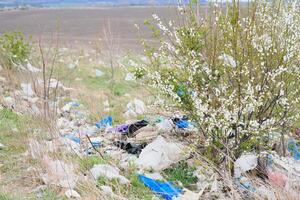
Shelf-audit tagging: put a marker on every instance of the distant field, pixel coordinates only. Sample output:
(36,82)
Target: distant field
(82,25)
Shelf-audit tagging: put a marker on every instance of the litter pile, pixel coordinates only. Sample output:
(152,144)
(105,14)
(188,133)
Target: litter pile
(152,145)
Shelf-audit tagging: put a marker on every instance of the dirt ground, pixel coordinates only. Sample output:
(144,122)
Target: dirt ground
(85,25)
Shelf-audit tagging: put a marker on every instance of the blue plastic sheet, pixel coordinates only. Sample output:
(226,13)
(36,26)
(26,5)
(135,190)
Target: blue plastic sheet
(247,185)
(182,123)
(164,189)
(73,138)
(108,121)
(294,149)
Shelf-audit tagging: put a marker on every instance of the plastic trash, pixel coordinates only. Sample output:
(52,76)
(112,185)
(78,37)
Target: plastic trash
(165,125)
(244,163)
(2,146)
(109,172)
(160,155)
(73,138)
(129,129)
(129,77)
(27,90)
(136,126)
(122,128)
(181,122)
(72,194)
(99,73)
(31,68)
(96,142)
(165,189)
(130,147)
(277,178)
(108,121)
(293,149)
(244,183)
(136,106)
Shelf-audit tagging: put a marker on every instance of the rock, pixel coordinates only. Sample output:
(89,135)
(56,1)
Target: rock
(129,77)
(99,73)
(244,163)
(72,194)
(109,172)
(160,155)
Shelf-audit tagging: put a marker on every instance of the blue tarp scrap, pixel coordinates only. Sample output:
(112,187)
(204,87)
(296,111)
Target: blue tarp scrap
(182,123)
(164,189)
(294,149)
(73,138)
(247,185)
(108,121)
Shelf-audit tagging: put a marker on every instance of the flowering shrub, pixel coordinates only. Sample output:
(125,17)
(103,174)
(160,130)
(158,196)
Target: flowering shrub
(14,49)
(235,74)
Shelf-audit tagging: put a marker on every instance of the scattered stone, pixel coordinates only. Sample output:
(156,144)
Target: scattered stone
(109,172)
(72,194)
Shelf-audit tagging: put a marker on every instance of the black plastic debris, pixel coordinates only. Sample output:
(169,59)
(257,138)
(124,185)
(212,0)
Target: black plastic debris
(136,126)
(130,147)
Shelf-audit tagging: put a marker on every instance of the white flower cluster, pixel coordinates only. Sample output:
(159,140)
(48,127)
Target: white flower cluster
(233,78)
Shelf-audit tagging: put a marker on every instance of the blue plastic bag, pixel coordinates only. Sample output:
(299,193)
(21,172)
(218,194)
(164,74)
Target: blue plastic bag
(294,149)
(73,138)
(164,189)
(182,123)
(108,121)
